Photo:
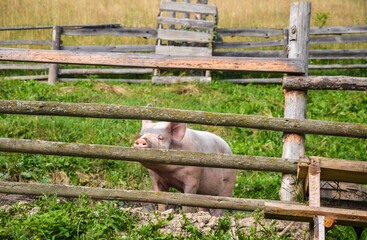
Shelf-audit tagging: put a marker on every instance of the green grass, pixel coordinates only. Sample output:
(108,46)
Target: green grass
(343,106)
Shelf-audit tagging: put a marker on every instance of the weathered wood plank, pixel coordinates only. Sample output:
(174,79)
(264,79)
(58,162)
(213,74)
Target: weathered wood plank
(338,54)
(183,51)
(229,45)
(338,30)
(295,102)
(255,81)
(25,66)
(153,60)
(188,8)
(114,48)
(184,36)
(175,115)
(138,81)
(177,79)
(304,213)
(336,169)
(262,54)
(314,54)
(106,71)
(154,156)
(339,39)
(249,32)
(114,31)
(25,42)
(187,23)
(56,43)
(131,195)
(64,26)
(325,83)
(34,77)
(338,66)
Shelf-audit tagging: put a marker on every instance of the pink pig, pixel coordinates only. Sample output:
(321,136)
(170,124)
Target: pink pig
(186,179)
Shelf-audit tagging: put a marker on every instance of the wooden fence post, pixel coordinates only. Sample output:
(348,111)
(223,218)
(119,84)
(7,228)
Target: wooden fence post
(56,42)
(295,101)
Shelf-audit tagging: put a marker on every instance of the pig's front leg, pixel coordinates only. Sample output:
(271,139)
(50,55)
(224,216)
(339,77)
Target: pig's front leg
(158,186)
(191,187)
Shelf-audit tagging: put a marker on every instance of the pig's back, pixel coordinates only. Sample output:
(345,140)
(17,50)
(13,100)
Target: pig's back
(206,142)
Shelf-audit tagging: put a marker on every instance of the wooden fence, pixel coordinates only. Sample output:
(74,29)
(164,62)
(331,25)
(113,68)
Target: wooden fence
(294,125)
(322,35)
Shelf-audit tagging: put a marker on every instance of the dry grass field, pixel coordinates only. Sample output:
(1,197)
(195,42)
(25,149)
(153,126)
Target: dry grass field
(143,13)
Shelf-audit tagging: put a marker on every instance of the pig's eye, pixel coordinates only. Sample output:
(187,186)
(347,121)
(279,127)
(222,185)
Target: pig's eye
(160,137)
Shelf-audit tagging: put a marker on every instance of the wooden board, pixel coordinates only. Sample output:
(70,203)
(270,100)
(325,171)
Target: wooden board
(106,71)
(24,66)
(188,8)
(336,170)
(306,126)
(25,42)
(115,31)
(183,51)
(113,48)
(178,79)
(187,23)
(153,60)
(325,83)
(249,32)
(298,212)
(338,30)
(184,36)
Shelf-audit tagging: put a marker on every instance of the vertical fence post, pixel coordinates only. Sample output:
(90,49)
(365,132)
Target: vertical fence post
(295,101)
(317,231)
(56,42)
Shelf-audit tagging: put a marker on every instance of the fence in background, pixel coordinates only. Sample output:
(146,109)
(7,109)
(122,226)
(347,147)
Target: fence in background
(322,35)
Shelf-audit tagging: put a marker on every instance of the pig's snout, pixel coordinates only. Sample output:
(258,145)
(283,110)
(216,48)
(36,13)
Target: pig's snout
(141,143)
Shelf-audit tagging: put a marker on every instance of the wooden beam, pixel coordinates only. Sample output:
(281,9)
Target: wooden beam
(273,209)
(32,77)
(178,79)
(25,42)
(338,66)
(131,195)
(183,51)
(338,30)
(184,36)
(188,8)
(295,103)
(249,32)
(187,23)
(153,60)
(175,115)
(112,48)
(336,169)
(56,43)
(137,81)
(255,81)
(63,26)
(114,31)
(324,83)
(106,71)
(148,155)
(298,212)
(25,66)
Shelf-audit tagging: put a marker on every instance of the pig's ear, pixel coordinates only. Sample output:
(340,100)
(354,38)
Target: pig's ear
(145,123)
(178,131)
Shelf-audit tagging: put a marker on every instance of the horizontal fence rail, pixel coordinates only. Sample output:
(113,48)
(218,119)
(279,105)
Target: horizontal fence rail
(306,126)
(149,155)
(63,26)
(272,208)
(331,169)
(284,65)
(325,83)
